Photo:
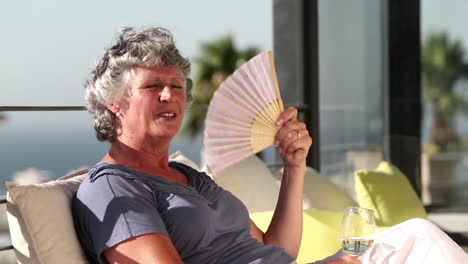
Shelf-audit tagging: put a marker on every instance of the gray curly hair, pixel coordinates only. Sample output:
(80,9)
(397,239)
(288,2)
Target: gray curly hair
(110,79)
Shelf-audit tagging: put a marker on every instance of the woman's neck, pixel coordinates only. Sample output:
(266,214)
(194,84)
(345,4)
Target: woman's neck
(151,159)
(142,157)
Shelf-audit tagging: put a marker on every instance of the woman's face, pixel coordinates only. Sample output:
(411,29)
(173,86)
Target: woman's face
(154,104)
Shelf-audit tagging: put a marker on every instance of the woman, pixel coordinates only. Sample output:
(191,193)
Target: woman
(135,206)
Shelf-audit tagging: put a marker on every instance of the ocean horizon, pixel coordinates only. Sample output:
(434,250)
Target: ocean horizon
(55,153)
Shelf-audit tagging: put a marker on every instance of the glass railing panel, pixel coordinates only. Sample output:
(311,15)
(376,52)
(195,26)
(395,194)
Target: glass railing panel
(351,88)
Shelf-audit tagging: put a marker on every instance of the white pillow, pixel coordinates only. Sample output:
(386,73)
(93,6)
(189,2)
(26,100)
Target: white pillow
(179,157)
(252,182)
(40,218)
(321,193)
(41,223)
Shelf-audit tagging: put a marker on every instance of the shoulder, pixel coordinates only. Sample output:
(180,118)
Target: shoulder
(105,182)
(101,170)
(108,175)
(112,205)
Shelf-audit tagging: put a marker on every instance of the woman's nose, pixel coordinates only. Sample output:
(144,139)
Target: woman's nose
(166,94)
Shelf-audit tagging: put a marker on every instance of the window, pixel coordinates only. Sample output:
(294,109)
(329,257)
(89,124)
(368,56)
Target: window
(444,56)
(351,88)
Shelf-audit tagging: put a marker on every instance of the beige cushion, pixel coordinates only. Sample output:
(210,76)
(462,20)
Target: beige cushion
(40,219)
(252,182)
(321,193)
(179,157)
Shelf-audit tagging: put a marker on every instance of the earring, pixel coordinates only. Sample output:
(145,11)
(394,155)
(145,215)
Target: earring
(117,114)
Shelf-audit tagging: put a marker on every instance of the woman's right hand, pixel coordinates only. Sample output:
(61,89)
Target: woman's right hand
(345,260)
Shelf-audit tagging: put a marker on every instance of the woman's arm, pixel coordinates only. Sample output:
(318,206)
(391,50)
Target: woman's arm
(293,143)
(149,248)
(285,230)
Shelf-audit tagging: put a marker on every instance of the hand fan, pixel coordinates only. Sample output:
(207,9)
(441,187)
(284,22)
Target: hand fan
(241,117)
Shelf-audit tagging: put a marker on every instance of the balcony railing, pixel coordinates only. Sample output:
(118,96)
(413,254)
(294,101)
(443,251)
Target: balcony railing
(301,108)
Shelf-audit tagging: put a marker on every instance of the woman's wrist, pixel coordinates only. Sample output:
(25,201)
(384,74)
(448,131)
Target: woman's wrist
(296,169)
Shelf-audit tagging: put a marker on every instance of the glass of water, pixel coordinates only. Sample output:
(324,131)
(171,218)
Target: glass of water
(357,230)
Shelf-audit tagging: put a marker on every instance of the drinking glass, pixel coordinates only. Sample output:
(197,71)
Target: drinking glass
(357,230)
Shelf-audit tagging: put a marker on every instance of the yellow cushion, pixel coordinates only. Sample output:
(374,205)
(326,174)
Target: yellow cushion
(320,235)
(388,192)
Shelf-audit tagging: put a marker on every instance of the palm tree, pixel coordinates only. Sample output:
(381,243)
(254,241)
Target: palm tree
(217,61)
(442,67)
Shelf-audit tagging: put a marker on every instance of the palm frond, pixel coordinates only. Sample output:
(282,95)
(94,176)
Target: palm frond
(217,60)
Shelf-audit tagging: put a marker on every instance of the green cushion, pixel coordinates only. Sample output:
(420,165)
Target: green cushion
(320,235)
(388,192)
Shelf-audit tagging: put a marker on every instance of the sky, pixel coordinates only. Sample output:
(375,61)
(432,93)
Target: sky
(446,15)
(50,46)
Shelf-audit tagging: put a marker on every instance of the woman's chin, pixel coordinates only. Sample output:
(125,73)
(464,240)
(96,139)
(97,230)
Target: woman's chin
(166,131)
(165,134)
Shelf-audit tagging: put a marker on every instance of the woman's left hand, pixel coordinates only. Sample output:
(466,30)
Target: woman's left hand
(292,140)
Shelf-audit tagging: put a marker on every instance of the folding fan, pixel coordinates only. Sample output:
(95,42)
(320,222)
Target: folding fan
(241,117)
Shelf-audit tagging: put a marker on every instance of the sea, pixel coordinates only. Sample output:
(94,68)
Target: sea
(50,154)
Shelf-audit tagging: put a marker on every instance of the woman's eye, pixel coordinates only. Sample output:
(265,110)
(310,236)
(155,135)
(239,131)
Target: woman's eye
(161,86)
(155,85)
